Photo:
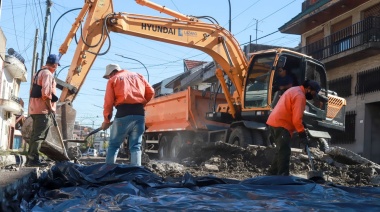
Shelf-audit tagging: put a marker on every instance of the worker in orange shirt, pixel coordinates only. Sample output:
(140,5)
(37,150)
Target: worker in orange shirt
(42,106)
(128,92)
(286,118)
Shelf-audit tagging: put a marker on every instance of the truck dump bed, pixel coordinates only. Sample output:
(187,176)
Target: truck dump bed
(185,110)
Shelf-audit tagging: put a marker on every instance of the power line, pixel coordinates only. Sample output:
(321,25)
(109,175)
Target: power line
(260,37)
(266,17)
(246,9)
(175,6)
(14,26)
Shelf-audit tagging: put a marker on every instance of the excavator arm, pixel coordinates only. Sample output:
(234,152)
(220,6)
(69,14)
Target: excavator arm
(100,19)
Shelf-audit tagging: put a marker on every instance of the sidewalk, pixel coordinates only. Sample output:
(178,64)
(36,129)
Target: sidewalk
(7,160)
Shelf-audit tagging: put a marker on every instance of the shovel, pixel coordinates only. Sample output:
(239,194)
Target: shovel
(85,139)
(316,176)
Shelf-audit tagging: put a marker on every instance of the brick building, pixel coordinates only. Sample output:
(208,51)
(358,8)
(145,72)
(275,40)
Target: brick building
(345,36)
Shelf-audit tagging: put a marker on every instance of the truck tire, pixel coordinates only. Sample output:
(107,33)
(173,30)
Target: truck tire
(258,138)
(163,147)
(240,136)
(175,147)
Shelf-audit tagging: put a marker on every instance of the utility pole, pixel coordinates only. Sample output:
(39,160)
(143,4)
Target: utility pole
(250,43)
(93,136)
(257,23)
(37,57)
(229,11)
(33,70)
(48,4)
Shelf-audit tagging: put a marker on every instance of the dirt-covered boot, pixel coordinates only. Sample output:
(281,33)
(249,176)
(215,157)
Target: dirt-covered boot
(35,162)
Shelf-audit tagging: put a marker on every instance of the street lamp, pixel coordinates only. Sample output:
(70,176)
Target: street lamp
(137,61)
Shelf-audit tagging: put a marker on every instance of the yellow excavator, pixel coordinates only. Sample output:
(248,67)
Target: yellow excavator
(246,85)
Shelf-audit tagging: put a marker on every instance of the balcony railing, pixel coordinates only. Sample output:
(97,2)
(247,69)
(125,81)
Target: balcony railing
(355,35)
(18,100)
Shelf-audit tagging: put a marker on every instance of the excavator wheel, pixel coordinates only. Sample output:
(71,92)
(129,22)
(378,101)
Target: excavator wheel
(240,136)
(176,147)
(257,138)
(163,147)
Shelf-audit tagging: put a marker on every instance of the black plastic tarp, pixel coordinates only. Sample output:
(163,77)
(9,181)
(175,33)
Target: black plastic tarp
(100,187)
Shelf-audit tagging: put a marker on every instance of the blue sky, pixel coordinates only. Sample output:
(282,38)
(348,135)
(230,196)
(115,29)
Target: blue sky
(20,19)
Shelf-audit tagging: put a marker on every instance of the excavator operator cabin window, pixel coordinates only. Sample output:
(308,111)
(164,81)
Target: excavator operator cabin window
(256,89)
(316,72)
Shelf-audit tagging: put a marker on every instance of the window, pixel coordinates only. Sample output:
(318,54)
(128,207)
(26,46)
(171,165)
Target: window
(17,142)
(315,45)
(372,11)
(341,35)
(348,136)
(256,89)
(316,72)
(368,81)
(342,86)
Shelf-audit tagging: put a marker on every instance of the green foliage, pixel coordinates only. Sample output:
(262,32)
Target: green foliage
(105,144)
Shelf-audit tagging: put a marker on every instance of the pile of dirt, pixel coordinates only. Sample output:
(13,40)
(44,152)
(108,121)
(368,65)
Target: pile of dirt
(229,161)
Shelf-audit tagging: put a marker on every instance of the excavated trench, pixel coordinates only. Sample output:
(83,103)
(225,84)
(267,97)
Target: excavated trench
(225,161)
(340,166)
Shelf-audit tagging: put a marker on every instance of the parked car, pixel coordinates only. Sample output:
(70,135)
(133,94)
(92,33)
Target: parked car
(92,152)
(102,153)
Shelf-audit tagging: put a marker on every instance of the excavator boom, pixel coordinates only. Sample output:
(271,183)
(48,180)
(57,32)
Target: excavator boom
(180,30)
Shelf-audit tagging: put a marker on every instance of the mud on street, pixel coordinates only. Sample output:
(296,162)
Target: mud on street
(233,162)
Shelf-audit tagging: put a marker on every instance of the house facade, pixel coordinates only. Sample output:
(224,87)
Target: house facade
(345,36)
(13,72)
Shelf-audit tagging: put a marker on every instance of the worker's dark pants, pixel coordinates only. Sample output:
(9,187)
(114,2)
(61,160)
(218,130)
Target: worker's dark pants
(280,163)
(41,125)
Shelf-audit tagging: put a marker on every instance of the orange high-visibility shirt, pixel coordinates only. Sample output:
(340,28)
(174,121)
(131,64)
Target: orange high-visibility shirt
(288,112)
(126,87)
(45,79)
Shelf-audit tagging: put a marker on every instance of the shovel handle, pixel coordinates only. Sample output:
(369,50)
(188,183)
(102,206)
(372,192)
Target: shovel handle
(54,120)
(93,132)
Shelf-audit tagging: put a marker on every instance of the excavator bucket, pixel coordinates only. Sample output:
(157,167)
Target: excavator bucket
(53,147)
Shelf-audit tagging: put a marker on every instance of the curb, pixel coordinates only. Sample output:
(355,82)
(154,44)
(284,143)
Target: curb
(22,188)
(16,185)
(8,160)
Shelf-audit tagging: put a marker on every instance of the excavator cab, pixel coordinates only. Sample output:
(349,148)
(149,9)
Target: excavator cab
(261,87)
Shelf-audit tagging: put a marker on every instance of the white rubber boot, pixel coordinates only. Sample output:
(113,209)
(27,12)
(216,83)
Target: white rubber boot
(135,158)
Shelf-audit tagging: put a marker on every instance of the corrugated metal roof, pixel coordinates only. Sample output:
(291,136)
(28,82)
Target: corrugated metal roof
(190,64)
(196,65)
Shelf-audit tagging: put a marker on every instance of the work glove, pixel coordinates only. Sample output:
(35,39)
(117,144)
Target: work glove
(303,138)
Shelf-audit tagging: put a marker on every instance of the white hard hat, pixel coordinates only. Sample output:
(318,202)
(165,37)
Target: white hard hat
(110,68)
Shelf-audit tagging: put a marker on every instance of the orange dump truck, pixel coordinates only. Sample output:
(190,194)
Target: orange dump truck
(179,119)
